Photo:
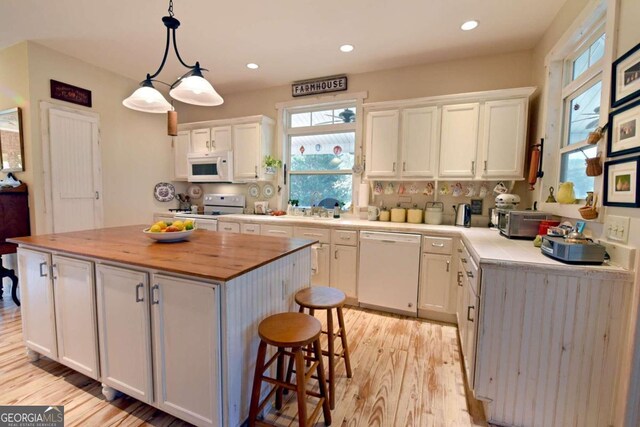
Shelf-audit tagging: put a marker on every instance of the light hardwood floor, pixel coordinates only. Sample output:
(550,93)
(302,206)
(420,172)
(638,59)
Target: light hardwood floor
(406,372)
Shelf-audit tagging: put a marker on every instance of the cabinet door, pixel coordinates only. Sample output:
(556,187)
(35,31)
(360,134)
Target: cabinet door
(460,299)
(419,142)
(180,151)
(276,230)
(320,277)
(200,140)
(207,224)
(186,354)
(250,228)
(76,324)
(220,138)
(382,143)
(246,149)
(503,138)
(344,260)
(229,227)
(36,292)
(124,331)
(435,283)
(469,345)
(459,140)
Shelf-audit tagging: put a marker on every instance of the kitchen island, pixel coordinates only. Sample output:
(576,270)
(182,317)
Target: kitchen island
(171,324)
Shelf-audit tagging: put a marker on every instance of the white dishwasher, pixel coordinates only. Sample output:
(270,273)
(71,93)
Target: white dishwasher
(389,271)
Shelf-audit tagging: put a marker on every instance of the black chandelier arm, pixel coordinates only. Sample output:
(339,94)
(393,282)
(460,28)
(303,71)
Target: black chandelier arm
(164,57)
(175,49)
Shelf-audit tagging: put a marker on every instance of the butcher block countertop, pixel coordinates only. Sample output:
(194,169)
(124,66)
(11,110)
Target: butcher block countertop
(207,254)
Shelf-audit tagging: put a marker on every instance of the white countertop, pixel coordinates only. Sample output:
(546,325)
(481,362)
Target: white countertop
(486,245)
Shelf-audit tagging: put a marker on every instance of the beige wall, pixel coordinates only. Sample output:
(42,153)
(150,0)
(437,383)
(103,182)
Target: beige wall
(136,151)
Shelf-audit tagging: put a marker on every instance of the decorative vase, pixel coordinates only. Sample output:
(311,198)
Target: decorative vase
(566,193)
(270,170)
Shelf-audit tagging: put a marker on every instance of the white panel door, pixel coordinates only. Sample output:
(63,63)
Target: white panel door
(180,151)
(344,274)
(200,140)
(246,151)
(459,140)
(76,323)
(382,143)
(419,142)
(124,329)
(435,283)
(503,138)
(36,292)
(76,171)
(186,358)
(221,138)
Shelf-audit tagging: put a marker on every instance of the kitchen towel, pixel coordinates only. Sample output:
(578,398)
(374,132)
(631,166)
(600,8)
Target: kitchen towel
(314,259)
(363,194)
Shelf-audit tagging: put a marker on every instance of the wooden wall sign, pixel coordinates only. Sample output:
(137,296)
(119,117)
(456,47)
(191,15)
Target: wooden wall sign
(322,85)
(70,93)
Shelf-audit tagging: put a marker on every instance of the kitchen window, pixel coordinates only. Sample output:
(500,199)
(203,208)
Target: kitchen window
(581,100)
(321,143)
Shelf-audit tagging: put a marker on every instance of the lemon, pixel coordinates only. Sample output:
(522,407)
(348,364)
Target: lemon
(161,224)
(155,228)
(177,223)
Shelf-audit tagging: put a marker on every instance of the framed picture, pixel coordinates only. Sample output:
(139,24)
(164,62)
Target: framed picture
(625,77)
(11,141)
(621,181)
(623,136)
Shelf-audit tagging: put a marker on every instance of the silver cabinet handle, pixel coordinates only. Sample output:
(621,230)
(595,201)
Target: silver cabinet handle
(345,238)
(459,251)
(335,254)
(404,166)
(213,145)
(448,263)
(43,273)
(473,167)
(54,267)
(312,234)
(469,308)
(394,167)
(485,165)
(256,170)
(154,288)
(138,297)
(460,278)
(464,260)
(97,195)
(470,274)
(438,245)
(388,241)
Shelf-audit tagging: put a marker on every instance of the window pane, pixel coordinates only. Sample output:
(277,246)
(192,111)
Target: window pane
(596,50)
(331,151)
(584,114)
(300,119)
(322,190)
(319,118)
(581,64)
(574,170)
(345,115)
(590,56)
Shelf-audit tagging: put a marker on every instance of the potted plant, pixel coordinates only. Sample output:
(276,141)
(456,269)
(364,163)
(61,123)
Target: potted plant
(271,164)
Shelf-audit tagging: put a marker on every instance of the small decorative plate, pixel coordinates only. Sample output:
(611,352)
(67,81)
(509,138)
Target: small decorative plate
(268,191)
(194,191)
(254,190)
(164,192)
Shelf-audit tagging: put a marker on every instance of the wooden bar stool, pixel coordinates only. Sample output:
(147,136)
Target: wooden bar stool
(324,298)
(295,331)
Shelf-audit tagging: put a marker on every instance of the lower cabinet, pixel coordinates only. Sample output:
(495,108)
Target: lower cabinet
(467,312)
(344,273)
(125,331)
(435,283)
(228,227)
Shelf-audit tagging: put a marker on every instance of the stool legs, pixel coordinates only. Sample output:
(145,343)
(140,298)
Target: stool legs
(321,380)
(301,383)
(257,384)
(332,360)
(279,376)
(343,338)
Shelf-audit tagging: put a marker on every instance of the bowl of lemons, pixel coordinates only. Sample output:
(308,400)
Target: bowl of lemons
(168,231)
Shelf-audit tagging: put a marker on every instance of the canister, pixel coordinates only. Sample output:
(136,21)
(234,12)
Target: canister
(398,214)
(414,215)
(385,215)
(433,213)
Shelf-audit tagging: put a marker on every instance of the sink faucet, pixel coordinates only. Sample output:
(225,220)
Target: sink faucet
(315,196)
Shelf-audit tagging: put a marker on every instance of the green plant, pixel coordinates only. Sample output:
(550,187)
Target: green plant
(272,162)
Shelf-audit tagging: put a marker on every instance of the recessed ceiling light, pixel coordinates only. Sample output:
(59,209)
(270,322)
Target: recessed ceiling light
(253,66)
(469,25)
(346,47)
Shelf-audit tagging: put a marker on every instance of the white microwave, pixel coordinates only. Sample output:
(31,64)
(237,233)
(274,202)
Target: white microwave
(215,166)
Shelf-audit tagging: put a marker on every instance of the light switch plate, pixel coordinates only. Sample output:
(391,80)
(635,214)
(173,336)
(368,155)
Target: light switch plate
(616,228)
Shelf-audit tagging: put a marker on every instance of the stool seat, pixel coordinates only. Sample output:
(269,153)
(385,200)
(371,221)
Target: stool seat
(289,330)
(321,298)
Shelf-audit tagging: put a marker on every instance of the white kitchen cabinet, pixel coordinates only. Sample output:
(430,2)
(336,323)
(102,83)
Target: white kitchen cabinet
(186,356)
(250,228)
(36,293)
(76,323)
(419,142)
(229,227)
(459,140)
(276,230)
(435,283)
(181,146)
(382,144)
(468,304)
(124,331)
(503,138)
(251,143)
(220,138)
(343,271)
(200,140)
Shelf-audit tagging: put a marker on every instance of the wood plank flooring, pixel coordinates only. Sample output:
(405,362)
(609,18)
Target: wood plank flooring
(406,372)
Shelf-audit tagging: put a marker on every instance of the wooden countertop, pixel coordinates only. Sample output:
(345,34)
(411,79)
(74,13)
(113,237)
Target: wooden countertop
(207,254)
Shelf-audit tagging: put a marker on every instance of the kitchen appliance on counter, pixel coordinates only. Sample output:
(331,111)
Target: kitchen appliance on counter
(507,201)
(215,205)
(521,224)
(463,215)
(573,250)
(214,166)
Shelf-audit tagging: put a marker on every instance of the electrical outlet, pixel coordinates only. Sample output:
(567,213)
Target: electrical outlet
(616,228)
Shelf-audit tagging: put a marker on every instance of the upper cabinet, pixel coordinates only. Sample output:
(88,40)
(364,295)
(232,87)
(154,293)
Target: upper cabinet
(180,147)
(402,143)
(467,136)
(211,139)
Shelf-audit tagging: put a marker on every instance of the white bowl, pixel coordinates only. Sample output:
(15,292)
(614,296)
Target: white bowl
(174,236)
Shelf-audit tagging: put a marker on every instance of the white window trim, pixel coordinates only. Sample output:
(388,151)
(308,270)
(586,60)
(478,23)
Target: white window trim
(580,32)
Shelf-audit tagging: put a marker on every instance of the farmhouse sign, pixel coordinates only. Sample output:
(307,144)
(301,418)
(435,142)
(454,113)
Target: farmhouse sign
(322,85)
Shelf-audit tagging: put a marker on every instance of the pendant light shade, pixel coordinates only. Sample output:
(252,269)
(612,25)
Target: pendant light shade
(197,91)
(148,100)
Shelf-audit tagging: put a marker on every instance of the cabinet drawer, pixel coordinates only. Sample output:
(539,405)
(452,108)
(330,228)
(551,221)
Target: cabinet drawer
(437,245)
(321,234)
(250,228)
(229,227)
(344,237)
(276,230)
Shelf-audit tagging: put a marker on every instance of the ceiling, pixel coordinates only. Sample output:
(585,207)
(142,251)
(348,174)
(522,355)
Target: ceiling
(290,39)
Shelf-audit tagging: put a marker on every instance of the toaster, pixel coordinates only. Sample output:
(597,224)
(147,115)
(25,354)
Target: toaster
(572,253)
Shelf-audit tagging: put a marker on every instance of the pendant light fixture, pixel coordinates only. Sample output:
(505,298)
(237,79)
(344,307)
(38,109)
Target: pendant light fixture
(190,88)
